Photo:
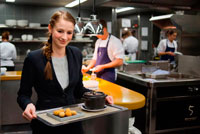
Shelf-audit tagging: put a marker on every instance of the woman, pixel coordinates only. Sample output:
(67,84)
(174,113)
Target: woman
(8,52)
(167,47)
(55,73)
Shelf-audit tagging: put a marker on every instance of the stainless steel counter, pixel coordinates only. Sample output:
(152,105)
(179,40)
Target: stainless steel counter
(170,81)
(174,95)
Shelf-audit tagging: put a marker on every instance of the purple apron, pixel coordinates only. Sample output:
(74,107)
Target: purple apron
(102,58)
(168,57)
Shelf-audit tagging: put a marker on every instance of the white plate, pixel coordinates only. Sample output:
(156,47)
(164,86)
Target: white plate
(92,110)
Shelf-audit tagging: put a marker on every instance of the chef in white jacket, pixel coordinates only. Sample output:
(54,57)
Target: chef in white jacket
(7,52)
(130,44)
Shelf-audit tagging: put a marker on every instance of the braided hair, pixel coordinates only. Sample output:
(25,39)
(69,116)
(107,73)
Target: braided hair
(47,49)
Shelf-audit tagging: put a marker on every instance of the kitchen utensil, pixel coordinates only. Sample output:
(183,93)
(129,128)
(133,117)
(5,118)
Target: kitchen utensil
(94,100)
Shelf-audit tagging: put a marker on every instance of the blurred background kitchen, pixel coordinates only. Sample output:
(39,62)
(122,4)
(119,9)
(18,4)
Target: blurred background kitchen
(27,22)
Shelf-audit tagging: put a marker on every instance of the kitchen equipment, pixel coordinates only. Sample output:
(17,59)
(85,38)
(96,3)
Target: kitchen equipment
(34,25)
(22,23)
(11,22)
(94,100)
(161,64)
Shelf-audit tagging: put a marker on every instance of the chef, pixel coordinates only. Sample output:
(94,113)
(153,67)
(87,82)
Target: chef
(167,47)
(108,54)
(130,44)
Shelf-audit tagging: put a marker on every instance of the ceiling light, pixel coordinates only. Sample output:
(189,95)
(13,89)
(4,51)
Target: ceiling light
(119,10)
(74,3)
(10,0)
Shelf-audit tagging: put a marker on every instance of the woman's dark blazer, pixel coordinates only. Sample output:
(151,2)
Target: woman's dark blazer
(49,92)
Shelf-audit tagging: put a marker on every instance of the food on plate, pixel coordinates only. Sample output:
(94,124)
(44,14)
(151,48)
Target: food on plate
(73,112)
(64,113)
(56,112)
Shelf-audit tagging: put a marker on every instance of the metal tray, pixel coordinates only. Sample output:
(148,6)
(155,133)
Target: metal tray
(44,117)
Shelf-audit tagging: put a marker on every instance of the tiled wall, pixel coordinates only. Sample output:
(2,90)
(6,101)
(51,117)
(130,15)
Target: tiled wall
(36,14)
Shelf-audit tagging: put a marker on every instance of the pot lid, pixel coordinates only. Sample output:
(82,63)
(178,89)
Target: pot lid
(93,94)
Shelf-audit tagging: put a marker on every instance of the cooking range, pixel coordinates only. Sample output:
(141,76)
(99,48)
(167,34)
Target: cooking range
(172,101)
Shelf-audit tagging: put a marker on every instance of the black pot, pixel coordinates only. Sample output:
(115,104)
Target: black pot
(94,100)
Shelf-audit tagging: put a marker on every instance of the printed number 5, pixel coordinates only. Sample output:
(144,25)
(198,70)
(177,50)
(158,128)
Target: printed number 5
(190,109)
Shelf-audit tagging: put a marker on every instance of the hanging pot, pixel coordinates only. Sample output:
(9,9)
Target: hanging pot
(94,100)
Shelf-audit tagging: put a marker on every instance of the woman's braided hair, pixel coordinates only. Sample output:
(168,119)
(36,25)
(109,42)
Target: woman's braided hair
(47,49)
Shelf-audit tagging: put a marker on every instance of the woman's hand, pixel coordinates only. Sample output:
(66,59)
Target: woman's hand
(110,100)
(29,112)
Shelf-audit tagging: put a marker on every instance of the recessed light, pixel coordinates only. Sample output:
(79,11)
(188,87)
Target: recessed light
(74,3)
(119,10)
(10,0)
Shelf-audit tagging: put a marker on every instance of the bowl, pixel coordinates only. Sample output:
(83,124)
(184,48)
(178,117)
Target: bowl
(24,37)
(3,70)
(22,23)
(11,22)
(32,25)
(29,37)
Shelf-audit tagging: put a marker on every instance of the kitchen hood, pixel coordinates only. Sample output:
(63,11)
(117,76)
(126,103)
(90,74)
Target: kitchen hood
(185,23)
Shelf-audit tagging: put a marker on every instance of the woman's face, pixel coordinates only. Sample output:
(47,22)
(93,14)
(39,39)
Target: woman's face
(172,37)
(62,33)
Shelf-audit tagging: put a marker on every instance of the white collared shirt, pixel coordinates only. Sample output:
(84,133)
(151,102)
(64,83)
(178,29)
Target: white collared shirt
(7,53)
(115,48)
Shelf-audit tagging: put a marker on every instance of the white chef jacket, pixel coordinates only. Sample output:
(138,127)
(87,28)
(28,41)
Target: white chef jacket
(7,54)
(131,46)
(115,49)
(163,45)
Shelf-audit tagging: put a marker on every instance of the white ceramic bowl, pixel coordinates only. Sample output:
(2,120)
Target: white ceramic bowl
(34,25)
(24,37)
(22,23)
(3,70)
(11,22)
(29,37)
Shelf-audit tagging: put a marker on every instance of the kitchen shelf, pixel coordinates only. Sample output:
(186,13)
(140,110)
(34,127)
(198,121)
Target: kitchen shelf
(32,41)
(28,28)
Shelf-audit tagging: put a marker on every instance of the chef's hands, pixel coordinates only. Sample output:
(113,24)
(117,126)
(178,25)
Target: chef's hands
(170,53)
(85,69)
(30,112)
(110,100)
(98,68)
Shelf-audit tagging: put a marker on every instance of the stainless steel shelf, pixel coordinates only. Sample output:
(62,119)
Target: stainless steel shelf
(40,41)
(28,28)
